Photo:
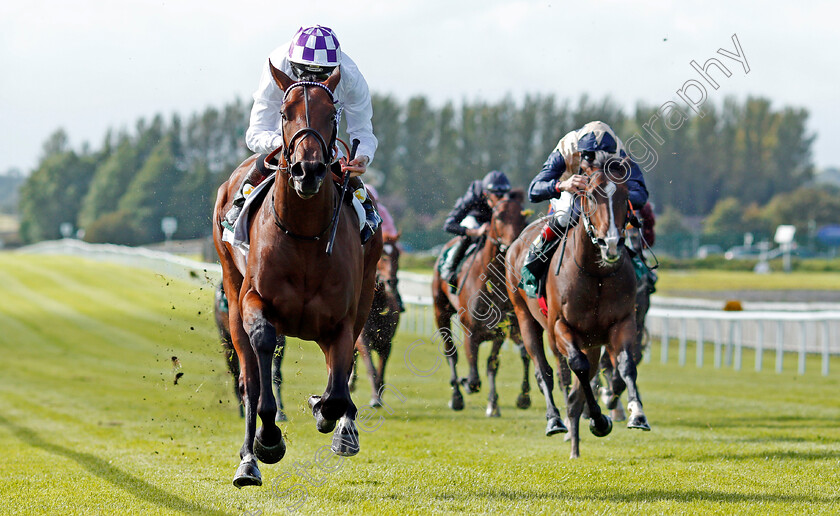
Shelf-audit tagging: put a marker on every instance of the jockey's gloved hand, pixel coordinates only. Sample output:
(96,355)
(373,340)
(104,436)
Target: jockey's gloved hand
(575,184)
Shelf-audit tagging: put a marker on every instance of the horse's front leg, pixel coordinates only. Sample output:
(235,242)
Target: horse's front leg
(622,341)
(363,347)
(268,441)
(583,365)
(247,474)
(492,371)
(279,353)
(335,405)
(472,383)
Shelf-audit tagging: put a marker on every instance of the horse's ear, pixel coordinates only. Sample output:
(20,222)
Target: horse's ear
(333,80)
(283,81)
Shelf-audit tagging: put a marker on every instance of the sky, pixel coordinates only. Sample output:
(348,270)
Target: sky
(88,65)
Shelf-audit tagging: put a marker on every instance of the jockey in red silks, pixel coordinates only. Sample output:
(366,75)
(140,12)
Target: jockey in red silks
(312,55)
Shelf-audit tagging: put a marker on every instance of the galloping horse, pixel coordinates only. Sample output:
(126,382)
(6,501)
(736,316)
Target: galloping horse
(590,303)
(481,303)
(383,320)
(221,314)
(288,285)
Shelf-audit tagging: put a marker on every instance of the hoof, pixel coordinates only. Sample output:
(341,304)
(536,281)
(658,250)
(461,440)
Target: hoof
(617,414)
(375,402)
(471,387)
(269,454)
(493,411)
(324,425)
(457,401)
(600,427)
(555,426)
(523,401)
(346,439)
(281,416)
(247,474)
(639,422)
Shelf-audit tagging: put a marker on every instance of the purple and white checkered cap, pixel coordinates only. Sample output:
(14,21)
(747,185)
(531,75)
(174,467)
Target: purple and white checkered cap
(316,46)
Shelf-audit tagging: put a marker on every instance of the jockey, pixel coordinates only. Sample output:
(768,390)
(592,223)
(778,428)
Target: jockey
(559,181)
(312,55)
(470,218)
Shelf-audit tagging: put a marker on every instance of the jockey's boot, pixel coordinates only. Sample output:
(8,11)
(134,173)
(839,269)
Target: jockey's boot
(541,250)
(449,269)
(254,177)
(372,219)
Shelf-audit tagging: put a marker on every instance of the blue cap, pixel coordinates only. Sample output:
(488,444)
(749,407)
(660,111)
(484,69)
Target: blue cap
(496,182)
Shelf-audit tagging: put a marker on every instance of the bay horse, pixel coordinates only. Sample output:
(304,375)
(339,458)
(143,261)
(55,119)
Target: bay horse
(382,322)
(590,302)
(222,317)
(287,284)
(482,305)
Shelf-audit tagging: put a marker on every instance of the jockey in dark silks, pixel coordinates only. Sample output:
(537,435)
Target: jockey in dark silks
(470,217)
(559,182)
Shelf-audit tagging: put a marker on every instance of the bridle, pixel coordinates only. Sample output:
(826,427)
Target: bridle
(288,150)
(289,147)
(588,227)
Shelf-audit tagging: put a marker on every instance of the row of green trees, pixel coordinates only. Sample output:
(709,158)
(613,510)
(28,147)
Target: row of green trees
(428,155)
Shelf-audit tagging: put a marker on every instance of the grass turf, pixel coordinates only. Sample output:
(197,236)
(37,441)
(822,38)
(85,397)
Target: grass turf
(92,422)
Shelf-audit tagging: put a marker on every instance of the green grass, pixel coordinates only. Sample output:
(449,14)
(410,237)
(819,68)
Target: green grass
(91,422)
(738,280)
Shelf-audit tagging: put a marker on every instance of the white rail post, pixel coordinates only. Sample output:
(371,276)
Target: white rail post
(718,342)
(730,341)
(825,347)
(780,339)
(700,326)
(665,338)
(683,332)
(648,356)
(759,344)
(803,333)
(739,341)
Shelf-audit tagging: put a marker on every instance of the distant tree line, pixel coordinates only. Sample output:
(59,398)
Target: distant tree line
(427,155)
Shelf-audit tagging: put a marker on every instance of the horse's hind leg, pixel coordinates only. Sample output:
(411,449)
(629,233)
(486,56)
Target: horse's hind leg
(268,441)
(277,378)
(532,334)
(492,370)
(443,316)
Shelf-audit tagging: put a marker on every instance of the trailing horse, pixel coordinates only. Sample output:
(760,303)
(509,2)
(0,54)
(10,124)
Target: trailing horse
(589,302)
(482,305)
(383,320)
(288,284)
